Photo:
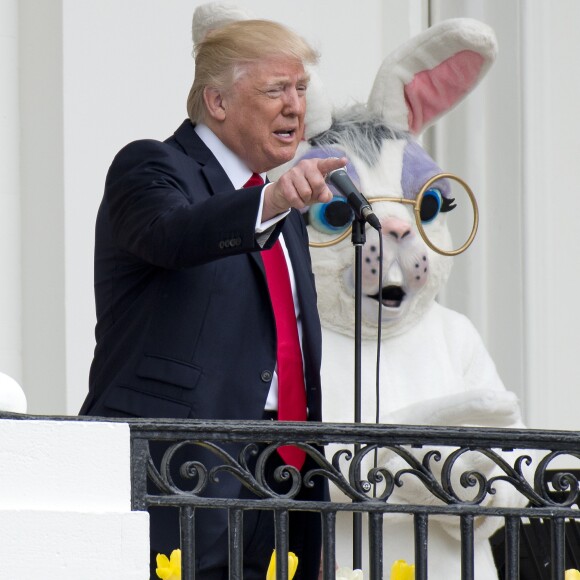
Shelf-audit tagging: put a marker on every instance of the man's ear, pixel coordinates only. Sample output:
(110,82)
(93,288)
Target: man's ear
(214,103)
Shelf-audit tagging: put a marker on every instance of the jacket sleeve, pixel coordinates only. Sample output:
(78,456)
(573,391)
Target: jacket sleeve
(163,210)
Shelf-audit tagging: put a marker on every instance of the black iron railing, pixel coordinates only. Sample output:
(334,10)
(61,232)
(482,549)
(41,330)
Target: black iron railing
(423,472)
(456,469)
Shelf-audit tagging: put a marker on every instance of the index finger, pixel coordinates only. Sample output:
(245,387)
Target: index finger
(330,164)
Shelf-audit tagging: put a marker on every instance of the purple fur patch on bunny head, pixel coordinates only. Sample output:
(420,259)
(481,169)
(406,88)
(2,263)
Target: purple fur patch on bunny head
(418,168)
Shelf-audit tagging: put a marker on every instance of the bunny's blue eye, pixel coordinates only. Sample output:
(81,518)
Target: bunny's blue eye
(431,205)
(333,217)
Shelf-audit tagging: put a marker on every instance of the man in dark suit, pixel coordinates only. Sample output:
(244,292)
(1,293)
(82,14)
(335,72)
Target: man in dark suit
(185,324)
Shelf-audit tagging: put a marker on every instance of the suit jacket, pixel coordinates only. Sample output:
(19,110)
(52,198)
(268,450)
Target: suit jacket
(185,327)
(184,322)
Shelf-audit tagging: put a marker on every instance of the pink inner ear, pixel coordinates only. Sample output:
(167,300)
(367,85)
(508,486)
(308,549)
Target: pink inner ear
(432,92)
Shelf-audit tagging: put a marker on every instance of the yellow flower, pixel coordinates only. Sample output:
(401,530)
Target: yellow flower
(292,565)
(572,574)
(169,568)
(403,571)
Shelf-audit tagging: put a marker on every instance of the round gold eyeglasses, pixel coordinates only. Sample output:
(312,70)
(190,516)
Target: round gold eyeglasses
(458,207)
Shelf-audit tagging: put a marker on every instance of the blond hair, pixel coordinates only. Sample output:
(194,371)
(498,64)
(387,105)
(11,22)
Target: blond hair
(222,54)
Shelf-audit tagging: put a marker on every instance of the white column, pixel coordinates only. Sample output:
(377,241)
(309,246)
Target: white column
(480,141)
(517,139)
(551,150)
(10,306)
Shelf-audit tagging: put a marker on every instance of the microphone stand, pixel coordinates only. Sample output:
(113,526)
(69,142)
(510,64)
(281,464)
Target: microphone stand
(358,240)
(363,213)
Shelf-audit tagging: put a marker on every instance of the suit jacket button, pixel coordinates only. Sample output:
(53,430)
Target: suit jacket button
(266,376)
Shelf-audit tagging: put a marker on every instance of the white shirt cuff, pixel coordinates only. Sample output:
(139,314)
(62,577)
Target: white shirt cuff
(261,226)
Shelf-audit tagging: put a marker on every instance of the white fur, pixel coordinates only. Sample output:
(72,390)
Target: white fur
(208,17)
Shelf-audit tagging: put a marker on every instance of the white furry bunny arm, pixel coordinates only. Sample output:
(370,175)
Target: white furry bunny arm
(478,396)
(482,407)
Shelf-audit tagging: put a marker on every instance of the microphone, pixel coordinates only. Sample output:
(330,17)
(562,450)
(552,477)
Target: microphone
(362,208)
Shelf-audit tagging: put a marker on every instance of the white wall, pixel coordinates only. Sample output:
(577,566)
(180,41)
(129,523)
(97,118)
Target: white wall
(119,85)
(95,75)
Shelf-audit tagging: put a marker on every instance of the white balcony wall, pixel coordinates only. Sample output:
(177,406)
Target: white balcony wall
(65,503)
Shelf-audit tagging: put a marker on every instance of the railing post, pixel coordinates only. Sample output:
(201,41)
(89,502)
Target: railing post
(187,536)
(376,545)
(139,461)
(328,545)
(421,536)
(281,519)
(512,547)
(558,528)
(467,563)
(236,542)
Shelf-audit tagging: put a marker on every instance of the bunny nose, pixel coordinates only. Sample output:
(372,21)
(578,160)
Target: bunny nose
(396,228)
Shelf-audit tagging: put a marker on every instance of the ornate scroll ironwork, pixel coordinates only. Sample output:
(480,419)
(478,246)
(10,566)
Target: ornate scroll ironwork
(389,458)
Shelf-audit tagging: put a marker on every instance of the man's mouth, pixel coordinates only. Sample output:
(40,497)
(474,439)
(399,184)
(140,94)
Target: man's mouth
(390,296)
(285,134)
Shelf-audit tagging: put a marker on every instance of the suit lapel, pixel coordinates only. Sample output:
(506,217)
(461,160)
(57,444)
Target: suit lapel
(190,142)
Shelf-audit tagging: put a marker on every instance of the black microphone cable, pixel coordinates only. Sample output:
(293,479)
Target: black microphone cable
(378,359)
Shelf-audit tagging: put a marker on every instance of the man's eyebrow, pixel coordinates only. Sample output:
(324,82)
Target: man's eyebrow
(282,80)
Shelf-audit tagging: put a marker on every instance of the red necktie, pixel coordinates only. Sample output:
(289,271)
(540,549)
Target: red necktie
(291,389)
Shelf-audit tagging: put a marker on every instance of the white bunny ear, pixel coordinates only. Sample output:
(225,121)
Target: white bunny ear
(208,17)
(431,73)
(318,107)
